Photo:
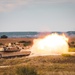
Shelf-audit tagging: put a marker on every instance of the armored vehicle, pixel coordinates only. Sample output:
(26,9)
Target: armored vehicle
(10,52)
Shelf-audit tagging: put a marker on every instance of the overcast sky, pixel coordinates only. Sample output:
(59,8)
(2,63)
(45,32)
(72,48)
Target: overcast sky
(37,15)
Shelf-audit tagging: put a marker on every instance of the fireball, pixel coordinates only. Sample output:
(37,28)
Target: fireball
(50,45)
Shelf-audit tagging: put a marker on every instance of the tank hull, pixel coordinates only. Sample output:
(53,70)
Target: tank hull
(14,54)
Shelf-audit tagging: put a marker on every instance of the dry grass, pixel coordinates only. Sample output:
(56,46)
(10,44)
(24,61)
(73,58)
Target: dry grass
(44,65)
(72,49)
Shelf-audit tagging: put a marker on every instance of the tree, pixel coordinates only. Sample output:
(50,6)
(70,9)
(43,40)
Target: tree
(4,36)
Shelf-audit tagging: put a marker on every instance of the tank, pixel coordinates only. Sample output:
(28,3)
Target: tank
(10,52)
(11,49)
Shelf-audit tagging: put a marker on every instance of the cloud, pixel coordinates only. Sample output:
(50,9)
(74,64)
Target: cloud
(9,5)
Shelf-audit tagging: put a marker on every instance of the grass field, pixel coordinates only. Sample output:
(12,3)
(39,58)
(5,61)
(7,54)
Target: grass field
(40,65)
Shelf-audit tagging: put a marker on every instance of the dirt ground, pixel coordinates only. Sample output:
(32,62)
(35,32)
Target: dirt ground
(13,40)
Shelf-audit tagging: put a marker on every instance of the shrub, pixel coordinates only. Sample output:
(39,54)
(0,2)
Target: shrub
(22,41)
(71,49)
(27,44)
(66,55)
(4,36)
(1,44)
(72,42)
(25,70)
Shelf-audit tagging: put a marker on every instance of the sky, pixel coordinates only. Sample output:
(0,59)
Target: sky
(37,15)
